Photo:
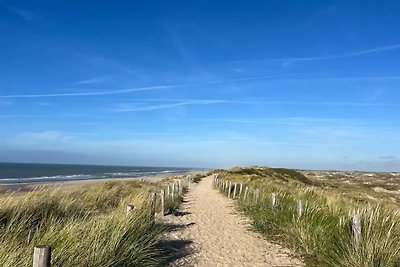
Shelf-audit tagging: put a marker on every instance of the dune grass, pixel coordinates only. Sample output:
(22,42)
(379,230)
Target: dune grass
(322,235)
(88,227)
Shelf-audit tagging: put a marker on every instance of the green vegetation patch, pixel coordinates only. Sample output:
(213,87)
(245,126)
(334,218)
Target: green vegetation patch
(322,233)
(88,227)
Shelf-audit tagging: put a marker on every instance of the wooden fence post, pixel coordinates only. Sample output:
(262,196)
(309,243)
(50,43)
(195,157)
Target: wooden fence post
(299,205)
(180,187)
(234,191)
(273,199)
(173,192)
(42,256)
(176,189)
(246,192)
(162,202)
(240,190)
(229,189)
(129,209)
(356,228)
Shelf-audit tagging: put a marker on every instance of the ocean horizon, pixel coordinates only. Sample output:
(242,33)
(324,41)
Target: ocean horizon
(53,172)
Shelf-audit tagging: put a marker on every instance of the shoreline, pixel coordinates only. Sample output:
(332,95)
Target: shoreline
(71,185)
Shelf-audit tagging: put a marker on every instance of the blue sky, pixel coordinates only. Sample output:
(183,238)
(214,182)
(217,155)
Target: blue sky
(302,84)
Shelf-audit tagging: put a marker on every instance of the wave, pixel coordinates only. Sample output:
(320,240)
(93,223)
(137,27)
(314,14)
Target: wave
(47,178)
(133,173)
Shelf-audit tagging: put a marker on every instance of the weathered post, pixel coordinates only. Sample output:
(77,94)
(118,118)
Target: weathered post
(168,193)
(162,202)
(299,205)
(229,188)
(180,187)
(246,192)
(240,190)
(42,256)
(273,199)
(173,193)
(356,229)
(129,209)
(234,191)
(176,188)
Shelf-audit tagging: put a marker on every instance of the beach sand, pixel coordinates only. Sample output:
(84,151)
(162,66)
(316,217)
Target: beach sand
(21,188)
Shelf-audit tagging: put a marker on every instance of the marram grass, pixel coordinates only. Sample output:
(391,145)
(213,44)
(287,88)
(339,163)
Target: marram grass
(84,228)
(322,235)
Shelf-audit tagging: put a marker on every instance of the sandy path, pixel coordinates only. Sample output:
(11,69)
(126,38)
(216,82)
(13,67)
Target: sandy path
(216,235)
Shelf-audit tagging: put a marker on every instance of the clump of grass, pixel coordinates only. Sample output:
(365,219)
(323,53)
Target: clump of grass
(198,177)
(84,228)
(322,235)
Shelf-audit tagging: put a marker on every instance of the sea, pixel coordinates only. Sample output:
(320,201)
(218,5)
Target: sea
(32,172)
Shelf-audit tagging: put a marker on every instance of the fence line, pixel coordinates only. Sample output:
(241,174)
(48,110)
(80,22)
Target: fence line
(243,195)
(42,253)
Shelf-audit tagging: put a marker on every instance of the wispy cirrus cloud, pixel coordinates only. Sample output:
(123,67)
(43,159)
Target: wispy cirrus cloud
(135,89)
(209,82)
(135,107)
(90,81)
(313,103)
(329,57)
(95,93)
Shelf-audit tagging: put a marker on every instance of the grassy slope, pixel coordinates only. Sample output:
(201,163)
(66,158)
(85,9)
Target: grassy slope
(322,234)
(88,227)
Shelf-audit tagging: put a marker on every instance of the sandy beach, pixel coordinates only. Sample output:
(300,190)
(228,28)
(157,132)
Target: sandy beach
(79,184)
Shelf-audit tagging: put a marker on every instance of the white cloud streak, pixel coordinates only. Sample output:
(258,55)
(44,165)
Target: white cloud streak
(221,81)
(96,93)
(130,90)
(307,103)
(90,81)
(132,108)
(329,57)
